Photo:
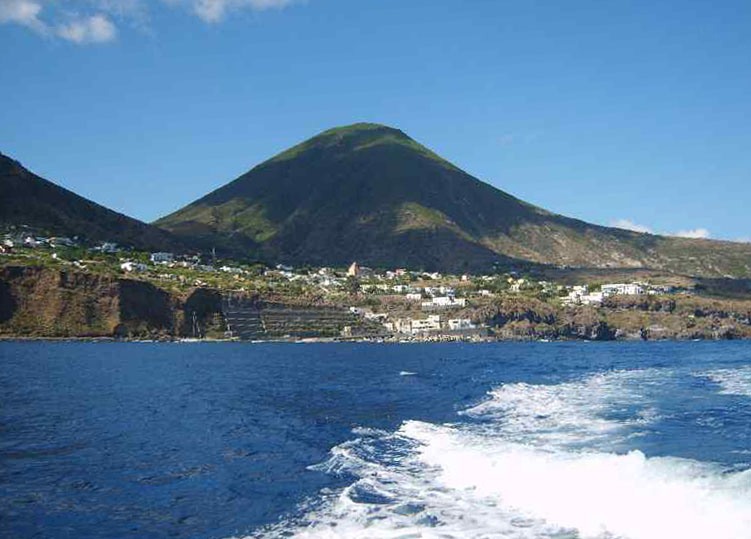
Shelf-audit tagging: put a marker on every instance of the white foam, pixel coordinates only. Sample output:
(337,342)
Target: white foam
(577,412)
(513,471)
(595,493)
(732,381)
(406,373)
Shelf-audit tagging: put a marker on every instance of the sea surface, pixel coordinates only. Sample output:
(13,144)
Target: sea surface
(508,440)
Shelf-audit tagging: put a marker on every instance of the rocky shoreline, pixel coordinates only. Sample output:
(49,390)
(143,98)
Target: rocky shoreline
(53,304)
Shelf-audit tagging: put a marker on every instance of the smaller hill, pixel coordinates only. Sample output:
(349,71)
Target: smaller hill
(27,199)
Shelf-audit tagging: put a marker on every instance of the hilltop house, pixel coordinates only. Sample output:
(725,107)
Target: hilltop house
(630,289)
(444,302)
(580,295)
(62,241)
(133,266)
(162,258)
(107,247)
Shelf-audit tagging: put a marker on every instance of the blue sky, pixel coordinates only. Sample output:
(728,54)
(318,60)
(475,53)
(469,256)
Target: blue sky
(630,112)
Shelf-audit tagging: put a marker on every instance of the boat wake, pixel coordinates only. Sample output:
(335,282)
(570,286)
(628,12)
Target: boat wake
(531,461)
(732,381)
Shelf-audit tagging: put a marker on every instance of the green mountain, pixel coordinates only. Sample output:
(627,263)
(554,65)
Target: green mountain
(27,199)
(370,193)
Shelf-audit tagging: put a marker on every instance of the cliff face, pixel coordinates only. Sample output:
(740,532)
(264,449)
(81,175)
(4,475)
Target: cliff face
(40,302)
(620,318)
(47,303)
(44,302)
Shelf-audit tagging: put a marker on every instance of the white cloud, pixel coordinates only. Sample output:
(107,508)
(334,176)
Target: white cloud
(215,10)
(23,12)
(630,225)
(134,12)
(627,224)
(94,29)
(67,19)
(97,28)
(696,233)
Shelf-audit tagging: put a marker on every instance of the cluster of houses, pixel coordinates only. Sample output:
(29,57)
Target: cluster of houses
(31,241)
(170,260)
(430,324)
(400,282)
(434,323)
(583,295)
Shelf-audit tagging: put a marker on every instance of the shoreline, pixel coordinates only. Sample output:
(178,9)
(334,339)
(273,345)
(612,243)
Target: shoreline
(333,340)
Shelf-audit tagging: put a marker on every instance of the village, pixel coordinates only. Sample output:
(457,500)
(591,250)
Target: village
(399,303)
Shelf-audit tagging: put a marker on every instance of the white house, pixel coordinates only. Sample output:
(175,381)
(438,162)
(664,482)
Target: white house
(162,258)
(431,323)
(133,266)
(31,242)
(402,325)
(460,323)
(580,295)
(593,298)
(62,241)
(516,285)
(108,247)
(442,302)
(625,289)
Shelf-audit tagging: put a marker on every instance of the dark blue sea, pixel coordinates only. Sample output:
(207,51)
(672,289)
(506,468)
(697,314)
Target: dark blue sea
(511,440)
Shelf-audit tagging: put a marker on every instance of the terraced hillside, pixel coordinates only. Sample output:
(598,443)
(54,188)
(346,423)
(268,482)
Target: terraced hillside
(249,319)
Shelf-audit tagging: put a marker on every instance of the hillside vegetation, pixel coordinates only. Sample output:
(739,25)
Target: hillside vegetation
(370,193)
(26,199)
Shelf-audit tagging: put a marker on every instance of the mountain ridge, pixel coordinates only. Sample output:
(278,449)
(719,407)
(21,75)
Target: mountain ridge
(29,199)
(371,193)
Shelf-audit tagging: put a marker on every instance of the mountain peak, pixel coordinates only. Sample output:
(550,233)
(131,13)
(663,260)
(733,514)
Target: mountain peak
(369,192)
(354,138)
(361,128)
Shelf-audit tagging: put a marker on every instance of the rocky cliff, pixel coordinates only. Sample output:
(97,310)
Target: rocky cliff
(42,302)
(53,303)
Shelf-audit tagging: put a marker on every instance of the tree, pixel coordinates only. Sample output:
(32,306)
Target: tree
(352,285)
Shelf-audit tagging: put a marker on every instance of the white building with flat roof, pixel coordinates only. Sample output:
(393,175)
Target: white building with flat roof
(423,325)
(444,302)
(456,324)
(624,289)
(162,258)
